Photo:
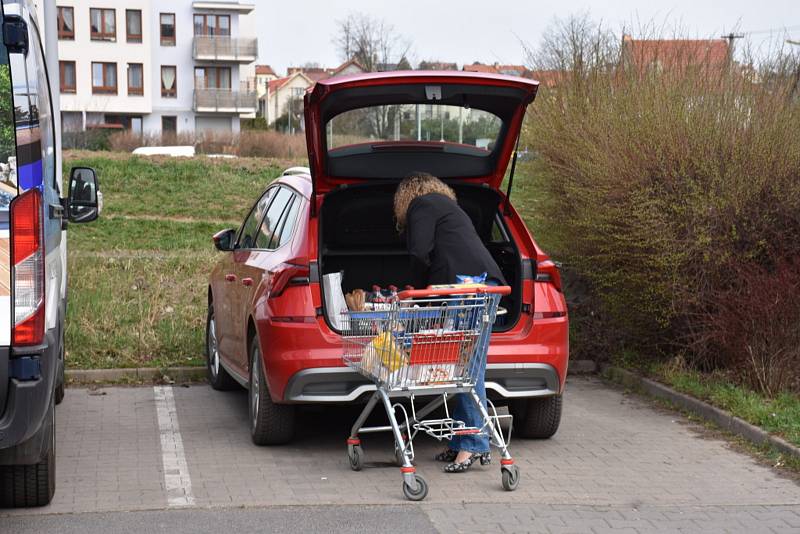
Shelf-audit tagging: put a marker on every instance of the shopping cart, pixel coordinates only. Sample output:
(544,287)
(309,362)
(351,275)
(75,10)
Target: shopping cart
(430,343)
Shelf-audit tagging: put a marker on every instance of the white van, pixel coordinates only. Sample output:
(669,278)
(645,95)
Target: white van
(33,274)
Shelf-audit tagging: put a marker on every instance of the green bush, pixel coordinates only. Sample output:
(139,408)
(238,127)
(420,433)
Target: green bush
(663,184)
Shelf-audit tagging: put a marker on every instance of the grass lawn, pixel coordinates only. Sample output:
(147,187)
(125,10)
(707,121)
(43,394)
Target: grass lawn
(780,415)
(138,275)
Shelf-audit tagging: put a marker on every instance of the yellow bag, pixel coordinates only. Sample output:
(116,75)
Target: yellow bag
(390,354)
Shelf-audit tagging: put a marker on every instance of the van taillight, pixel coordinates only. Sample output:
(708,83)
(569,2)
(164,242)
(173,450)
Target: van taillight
(547,271)
(288,274)
(27,260)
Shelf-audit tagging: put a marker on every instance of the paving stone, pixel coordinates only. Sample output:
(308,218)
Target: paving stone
(616,463)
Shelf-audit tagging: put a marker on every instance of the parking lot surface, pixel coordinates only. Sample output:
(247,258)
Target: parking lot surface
(182,457)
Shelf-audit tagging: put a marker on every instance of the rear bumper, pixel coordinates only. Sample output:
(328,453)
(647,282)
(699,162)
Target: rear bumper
(342,384)
(27,402)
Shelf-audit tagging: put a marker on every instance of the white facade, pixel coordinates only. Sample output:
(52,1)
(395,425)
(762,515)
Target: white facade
(281,92)
(195,106)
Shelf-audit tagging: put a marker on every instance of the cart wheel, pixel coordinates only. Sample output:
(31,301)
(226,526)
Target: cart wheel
(355,454)
(510,477)
(420,493)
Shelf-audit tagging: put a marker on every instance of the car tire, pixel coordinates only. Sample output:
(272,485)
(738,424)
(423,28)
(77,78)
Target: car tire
(218,377)
(537,418)
(270,423)
(24,486)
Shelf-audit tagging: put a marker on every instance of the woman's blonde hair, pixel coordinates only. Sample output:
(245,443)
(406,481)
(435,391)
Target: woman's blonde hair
(415,185)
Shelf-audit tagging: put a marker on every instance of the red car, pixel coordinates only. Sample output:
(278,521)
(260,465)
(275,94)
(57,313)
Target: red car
(268,326)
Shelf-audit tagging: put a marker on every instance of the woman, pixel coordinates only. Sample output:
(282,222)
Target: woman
(443,244)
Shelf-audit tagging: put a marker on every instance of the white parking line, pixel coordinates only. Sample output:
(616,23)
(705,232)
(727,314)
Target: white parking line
(176,472)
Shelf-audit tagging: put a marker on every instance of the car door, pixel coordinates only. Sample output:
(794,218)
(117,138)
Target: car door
(254,267)
(274,233)
(228,299)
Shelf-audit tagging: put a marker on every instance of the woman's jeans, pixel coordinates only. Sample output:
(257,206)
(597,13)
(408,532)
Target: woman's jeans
(467,411)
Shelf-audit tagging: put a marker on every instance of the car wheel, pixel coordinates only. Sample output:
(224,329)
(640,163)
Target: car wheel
(537,418)
(270,423)
(31,485)
(218,377)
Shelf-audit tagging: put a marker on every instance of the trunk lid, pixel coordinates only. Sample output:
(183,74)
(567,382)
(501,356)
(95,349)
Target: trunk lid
(381,126)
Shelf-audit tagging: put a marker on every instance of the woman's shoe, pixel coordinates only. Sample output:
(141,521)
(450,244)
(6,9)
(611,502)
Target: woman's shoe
(486,458)
(460,467)
(448,455)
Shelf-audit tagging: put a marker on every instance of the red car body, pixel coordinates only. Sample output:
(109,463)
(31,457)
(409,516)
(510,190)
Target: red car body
(273,299)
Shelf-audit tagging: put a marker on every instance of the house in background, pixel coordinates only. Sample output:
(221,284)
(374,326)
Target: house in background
(509,70)
(156,67)
(658,55)
(264,75)
(347,68)
(284,97)
(436,65)
(314,73)
(286,94)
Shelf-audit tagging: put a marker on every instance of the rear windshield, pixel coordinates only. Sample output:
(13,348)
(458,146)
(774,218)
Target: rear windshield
(435,123)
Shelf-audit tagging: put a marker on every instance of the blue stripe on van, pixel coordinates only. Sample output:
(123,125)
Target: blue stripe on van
(30,176)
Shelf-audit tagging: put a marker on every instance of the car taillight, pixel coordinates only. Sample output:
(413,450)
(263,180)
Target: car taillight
(288,274)
(27,260)
(547,271)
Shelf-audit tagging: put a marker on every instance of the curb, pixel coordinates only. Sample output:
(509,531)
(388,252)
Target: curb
(582,367)
(140,374)
(719,417)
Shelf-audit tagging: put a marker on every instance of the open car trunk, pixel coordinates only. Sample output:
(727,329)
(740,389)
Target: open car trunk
(358,237)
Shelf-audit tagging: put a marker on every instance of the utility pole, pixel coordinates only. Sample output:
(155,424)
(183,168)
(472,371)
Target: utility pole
(731,37)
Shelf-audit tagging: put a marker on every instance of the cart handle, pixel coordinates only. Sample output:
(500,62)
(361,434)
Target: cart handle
(423,293)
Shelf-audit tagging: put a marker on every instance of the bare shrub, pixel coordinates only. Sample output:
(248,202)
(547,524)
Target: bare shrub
(756,322)
(248,143)
(671,179)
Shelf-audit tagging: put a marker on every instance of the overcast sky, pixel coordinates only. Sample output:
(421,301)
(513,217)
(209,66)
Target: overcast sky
(463,31)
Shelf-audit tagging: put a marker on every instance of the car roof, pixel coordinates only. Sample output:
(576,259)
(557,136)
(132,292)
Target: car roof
(299,181)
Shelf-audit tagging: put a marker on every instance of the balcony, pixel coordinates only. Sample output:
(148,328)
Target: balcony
(224,48)
(210,100)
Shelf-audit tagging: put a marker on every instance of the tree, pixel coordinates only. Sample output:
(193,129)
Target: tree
(375,45)
(370,41)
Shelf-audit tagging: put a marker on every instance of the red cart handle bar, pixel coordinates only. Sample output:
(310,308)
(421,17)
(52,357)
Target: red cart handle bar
(423,293)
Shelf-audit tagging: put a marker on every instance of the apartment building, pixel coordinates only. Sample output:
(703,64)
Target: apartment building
(172,66)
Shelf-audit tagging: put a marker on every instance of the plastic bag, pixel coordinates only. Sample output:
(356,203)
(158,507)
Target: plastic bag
(384,350)
(335,304)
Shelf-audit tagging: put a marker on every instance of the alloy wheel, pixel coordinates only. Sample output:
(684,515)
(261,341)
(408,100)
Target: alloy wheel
(213,352)
(255,380)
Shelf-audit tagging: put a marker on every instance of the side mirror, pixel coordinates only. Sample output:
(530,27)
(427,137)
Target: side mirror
(83,200)
(15,34)
(224,239)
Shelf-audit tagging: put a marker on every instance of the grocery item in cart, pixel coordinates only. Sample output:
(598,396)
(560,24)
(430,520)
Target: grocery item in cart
(356,300)
(384,351)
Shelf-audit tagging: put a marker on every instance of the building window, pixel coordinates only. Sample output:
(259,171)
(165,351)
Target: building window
(168,82)
(212,78)
(132,123)
(66,72)
(167,23)
(212,25)
(133,25)
(104,78)
(104,24)
(169,124)
(66,23)
(135,79)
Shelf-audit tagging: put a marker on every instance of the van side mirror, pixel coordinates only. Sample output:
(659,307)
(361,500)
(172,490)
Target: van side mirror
(224,239)
(15,34)
(83,204)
